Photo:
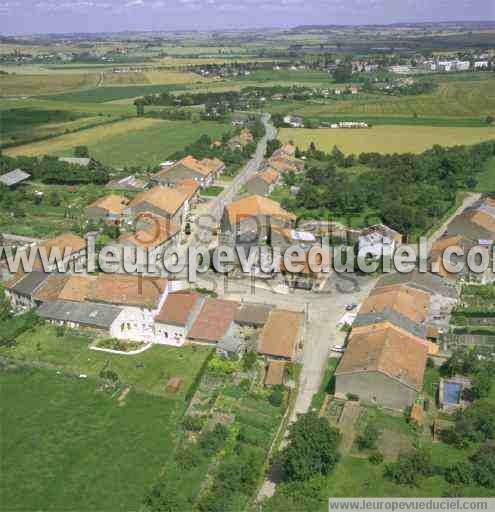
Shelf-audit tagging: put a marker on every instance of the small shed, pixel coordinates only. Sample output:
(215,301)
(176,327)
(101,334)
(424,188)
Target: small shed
(174,384)
(14,177)
(275,373)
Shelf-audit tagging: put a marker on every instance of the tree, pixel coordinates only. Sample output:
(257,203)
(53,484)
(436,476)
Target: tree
(484,466)
(343,73)
(54,198)
(481,385)
(139,104)
(276,397)
(81,152)
(367,440)
(165,496)
(475,424)
(311,450)
(460,473)
(410,467)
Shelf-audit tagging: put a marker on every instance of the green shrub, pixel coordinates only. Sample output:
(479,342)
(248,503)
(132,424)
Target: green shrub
(376,458)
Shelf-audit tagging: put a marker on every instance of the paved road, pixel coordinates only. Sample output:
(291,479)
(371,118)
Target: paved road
(216,206)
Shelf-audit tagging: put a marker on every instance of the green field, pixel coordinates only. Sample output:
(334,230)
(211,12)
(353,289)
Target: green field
(486,178)
(103,94)
(385,139)
(67,445)
(134,142)
(147,372)
(453,98)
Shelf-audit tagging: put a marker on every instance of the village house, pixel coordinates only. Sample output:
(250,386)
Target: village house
(309,272)
(475,223)
(250,220)
(176,317)
(285,163)
(109,209)
(281,336)
(70,247)
(264,182)
(294,121)
(190,188)
(203,171)
(164,202)
(77,315)
(405,308)
(379,241)
(128,183)
(439,265)
(21,287)
(382,365)
(152,233)
(284,151)
(214,320)
(241,140)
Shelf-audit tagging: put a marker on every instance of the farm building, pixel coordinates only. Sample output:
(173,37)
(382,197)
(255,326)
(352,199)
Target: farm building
(214,320)
(14,178)
(164,202)
(281,335)
(203,171)
(109,209)
(263,183)
(382,365)
(152,233)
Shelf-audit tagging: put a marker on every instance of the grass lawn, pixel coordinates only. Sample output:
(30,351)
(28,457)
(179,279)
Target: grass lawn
(148,371)
(67,446)
(486,178)
(385,139)
(212,191)
(133,142)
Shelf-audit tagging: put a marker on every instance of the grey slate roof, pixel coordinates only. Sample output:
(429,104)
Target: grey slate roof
(394,317)
(83,162)
(252,314)
(85,313)
(14,177)
(230,343)
(425,281)
(30,283)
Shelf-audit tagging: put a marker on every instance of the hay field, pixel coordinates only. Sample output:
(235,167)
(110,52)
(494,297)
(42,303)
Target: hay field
(37,84)
(151,77)
(134,142)
(386,139)
(63,143)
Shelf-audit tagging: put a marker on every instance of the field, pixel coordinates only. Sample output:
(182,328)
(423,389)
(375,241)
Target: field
(68,446)
(386,139)
(147,372)
(34,85)
(453,98)
(133,142)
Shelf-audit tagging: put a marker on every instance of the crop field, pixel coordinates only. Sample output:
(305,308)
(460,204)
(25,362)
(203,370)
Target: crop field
(151,77)
(25,124)
(104,94)
(285,75)
(386,139)
(461,98)
(34,85)
(57,145)
(67,445)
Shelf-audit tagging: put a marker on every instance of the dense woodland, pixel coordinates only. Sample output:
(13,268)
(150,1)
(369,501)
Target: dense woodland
(409,192)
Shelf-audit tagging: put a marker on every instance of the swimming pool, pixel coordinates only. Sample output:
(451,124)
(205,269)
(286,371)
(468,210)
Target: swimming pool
(452,392)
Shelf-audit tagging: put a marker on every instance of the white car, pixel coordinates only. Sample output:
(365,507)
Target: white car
(338,348)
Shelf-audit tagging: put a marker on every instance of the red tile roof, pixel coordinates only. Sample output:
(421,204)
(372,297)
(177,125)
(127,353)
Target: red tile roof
(213,320)
(177,308)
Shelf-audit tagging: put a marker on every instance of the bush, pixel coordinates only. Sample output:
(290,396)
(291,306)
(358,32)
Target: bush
(367,440)
(352,397)
(212,441)
(249,360)
(193,423)
(376,458)
(410,467)
(460,473)
(276,397)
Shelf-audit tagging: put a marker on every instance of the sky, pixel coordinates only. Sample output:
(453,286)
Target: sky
(64,16)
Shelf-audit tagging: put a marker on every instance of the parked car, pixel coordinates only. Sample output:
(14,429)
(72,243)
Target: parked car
(350,307)
(338,348)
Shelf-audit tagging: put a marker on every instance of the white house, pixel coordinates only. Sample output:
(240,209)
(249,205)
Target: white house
(379,241)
